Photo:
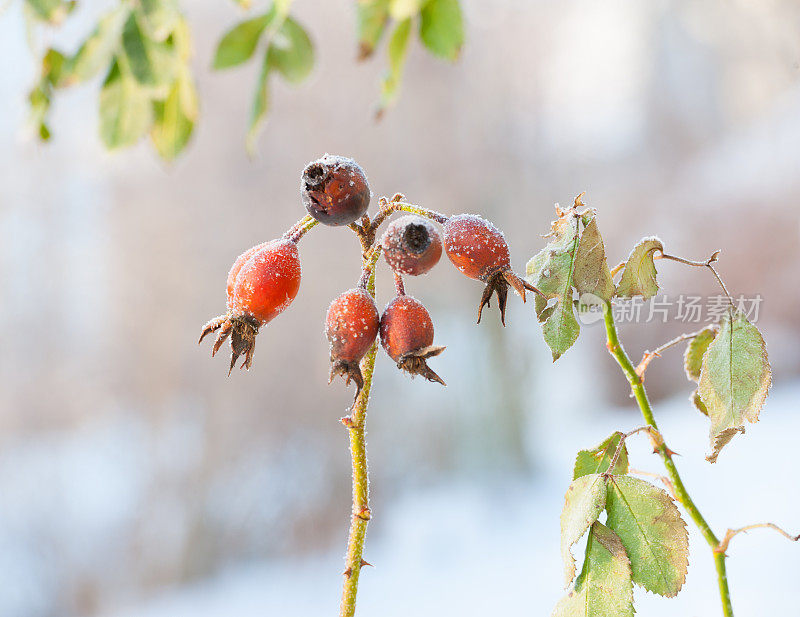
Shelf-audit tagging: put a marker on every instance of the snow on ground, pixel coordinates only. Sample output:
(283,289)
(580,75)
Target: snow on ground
(491,546)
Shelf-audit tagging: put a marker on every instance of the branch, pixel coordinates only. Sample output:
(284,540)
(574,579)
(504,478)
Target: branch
(701,264)
(656,353)
(722,547)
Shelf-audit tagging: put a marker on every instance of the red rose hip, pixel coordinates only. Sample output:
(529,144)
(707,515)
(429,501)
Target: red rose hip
(480,251)
(334,190)
(407,336)
(261,284)
(411,245)
(351,327)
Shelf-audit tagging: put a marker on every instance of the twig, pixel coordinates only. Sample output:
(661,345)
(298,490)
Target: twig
(722,547)
(656,353)
(702,264)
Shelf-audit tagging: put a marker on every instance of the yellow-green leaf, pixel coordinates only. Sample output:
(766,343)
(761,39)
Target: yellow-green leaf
(260,104)
(404,9)
(125,109)
(151,63)
(583,504)
(551,271)
(99,48)
(696,351)
(397,50)
(371,20)
(159,17)
(734,379)
(604,587)
(239,43)
(654,535)
(592,274)
(598,459)
(172,126)
(639,275)
(291,51)
(441,28)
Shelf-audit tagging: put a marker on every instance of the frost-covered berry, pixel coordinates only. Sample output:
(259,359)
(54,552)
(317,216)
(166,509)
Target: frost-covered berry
(261,284)
(334,190)
(407,336)
(480,251)
(351,327)
(411,245)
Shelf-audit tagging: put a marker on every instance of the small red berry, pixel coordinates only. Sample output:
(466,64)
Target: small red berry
(411,245)
(351,327)
(480,251)
(407,336)
(334,190)
(261,284)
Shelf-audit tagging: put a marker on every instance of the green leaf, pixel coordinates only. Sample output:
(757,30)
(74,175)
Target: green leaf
(172,125)
(239,43)
(696,351)
(584,502)
(654,535)
(125,109)
(159,17)
(53,66)
(734,379)
(398,50)
(561,329)
(404,9)
(598,459)
(97,51)
(151,63)
(592,274)
(441,28)
(291,52)
(260,103)
(604,587)
(371,20)
(52,11)
(639,275)
(551,271)
(698,403)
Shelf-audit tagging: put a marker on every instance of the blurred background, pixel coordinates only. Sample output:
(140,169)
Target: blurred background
(137,480)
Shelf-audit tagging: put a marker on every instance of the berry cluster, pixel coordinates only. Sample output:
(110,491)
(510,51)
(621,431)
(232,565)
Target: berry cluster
(334,190)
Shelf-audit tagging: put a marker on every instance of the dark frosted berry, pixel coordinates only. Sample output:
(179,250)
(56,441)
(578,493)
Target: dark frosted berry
(351,327)
(407,336)
(411,245)
(261,284)
(480,251)
(334,190)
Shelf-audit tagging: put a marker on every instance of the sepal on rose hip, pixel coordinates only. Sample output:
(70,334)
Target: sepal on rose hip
(479,250)
(406,333)
(262,283)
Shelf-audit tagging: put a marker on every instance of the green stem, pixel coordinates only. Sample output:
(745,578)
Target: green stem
(639,392)
(358,454)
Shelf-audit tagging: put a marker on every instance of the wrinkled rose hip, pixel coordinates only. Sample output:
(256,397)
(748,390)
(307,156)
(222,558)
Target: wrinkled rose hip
(334,190)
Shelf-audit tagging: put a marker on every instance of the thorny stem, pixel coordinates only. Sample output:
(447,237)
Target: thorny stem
(354,560)
(640,394)
(708,263)
(396,204)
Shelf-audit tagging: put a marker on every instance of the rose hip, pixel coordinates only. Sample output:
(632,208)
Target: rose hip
(261,284)
(351,327)
(334,190)
(407,336)
(411,245)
